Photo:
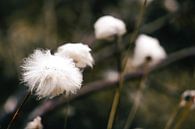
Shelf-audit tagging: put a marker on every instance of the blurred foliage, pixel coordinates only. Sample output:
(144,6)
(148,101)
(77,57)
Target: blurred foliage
(26,25)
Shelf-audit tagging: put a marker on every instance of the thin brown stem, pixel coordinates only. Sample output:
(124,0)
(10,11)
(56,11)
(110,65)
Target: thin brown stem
(136,103)
(172,118)
(183,117)
(116,99)
(115,104)
(134,34)
(18,110)
(122,70)
(66,114)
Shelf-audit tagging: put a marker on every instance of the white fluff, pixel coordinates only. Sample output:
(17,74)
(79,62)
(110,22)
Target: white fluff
(111,75)
(147,47)
(108,26)
(171,5)
(80,53)
(50,75)
(35,124)
(188,97)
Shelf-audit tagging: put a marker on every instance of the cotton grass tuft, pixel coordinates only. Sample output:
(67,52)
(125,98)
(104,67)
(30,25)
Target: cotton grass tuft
(107,27)
(79,52)
(147,50)
(48,75)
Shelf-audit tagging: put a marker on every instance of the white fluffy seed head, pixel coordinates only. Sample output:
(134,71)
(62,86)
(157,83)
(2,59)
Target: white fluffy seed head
(48,75)
(35,124)
(107,27)
(188,97)
(147,49)
(80,53)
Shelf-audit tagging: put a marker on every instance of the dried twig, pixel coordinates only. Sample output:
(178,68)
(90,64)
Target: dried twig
(96,86)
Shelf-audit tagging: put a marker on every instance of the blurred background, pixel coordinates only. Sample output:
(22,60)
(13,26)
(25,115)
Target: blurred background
(26,25)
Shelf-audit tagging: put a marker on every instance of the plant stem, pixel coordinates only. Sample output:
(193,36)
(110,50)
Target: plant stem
(135,33)
(183,116)
(172,118)
(137,100)
(118,89)
(121,69)
(18,110)
(66,113)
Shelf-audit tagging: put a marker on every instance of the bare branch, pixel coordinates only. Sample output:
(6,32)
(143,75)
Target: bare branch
(49,106)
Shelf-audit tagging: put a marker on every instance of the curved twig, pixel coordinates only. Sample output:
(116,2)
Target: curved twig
(49,106)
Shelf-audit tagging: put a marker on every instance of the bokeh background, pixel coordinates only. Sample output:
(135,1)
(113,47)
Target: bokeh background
(27,25)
